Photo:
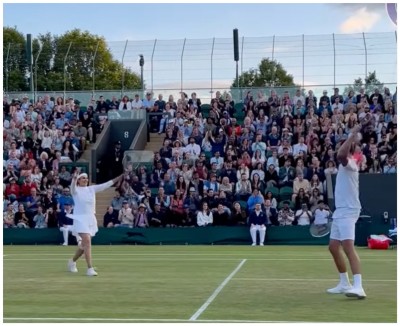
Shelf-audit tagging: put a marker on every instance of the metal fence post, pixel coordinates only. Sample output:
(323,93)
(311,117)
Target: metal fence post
(273,53)
(123,70)
(366,57)
(65,72)
(94,68)
(36,72)
(183,49)
(303,62)
(334,60)
(212,54)
(6,65)
(152,55)
(241,69)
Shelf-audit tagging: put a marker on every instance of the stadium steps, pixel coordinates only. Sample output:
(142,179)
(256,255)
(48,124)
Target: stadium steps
(155,142)
(103,200)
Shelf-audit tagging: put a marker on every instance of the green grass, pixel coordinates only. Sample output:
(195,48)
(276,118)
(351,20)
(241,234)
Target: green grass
(171,283)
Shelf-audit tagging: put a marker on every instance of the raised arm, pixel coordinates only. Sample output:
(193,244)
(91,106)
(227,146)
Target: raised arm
(344,150)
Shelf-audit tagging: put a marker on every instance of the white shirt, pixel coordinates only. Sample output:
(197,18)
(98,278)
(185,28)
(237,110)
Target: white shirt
(303,218)
(347,186)
(137,105)
(218,160)
(301,98)
(299,147)
(204,219)
(321,216)
(194,149)
(128,106)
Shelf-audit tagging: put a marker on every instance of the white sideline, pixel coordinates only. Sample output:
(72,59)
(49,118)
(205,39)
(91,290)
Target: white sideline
(145,320)
(302,279)
(97,258)
(216,292)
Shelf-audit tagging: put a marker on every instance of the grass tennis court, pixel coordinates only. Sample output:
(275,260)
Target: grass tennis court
(193,283)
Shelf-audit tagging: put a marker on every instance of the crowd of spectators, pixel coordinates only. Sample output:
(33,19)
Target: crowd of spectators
(217,162)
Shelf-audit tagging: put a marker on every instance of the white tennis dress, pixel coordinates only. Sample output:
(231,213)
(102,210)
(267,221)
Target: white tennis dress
(85,208)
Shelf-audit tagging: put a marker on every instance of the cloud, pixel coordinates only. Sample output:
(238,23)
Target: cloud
(361,20)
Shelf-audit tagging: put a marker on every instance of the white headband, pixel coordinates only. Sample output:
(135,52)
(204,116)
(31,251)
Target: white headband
(82,175)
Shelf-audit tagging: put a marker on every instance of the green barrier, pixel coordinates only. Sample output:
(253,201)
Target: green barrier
(288,235)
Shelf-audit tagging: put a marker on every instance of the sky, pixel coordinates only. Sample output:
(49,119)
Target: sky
(199,23)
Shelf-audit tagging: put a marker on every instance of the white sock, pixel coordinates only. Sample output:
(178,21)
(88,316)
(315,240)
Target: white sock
(357,280)
(344,278)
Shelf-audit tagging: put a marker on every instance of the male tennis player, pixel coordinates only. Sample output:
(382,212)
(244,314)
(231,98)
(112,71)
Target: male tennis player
(346,214)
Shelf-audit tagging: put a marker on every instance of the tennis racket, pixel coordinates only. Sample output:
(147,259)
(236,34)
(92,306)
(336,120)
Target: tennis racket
(320,230)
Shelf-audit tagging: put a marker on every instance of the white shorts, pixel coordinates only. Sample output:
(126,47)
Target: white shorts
(344,224)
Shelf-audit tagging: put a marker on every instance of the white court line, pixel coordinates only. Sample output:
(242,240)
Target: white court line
(216,292)
(301,279)
(199,259)
(148,320)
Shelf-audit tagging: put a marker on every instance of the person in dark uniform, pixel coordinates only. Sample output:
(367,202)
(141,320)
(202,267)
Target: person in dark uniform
(115,167)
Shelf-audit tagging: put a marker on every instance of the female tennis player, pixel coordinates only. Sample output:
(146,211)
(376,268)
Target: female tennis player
(85,223)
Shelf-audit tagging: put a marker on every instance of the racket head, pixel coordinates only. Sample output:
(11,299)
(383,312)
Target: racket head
(321,230)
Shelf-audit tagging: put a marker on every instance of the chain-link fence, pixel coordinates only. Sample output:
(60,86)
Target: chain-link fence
(206,65)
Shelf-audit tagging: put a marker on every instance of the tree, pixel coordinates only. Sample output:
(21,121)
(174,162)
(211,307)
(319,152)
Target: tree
(370,83)
(15,66)
(79,63)
(269,73)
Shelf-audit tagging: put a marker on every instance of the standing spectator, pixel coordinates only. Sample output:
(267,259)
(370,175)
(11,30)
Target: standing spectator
(257,221)
(148,102)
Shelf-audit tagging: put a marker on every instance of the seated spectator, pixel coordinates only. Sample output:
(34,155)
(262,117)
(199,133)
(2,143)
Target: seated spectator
(330,168)
(301,198)
(390,166)
(285,215)
(300,183)
(303,216)
(321,214)
(110,218)
(141,220)
(257,182)
(254,199)
(126,216)
(9,217)
(204,217)
(21,220)
(12,188)
(287,174)
(316,183)
(238,215)
(221,216)
(257,221)
(177,214)
(270,212)
(243,188)
(157,218)
(315,197)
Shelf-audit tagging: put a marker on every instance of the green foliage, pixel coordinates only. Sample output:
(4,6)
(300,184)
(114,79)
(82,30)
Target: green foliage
(268,73)
(370,83)
(79,63)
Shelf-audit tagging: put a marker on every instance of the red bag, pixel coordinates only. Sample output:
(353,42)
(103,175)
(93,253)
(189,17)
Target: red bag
(378,244)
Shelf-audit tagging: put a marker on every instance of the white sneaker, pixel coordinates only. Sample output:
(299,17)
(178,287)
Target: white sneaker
(72,266)
(253,244)
(356,293)
(65,244)
(261,244)
(339,289)
(91,272)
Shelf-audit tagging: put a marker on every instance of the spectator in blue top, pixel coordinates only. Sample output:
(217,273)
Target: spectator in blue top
(255,198)
(65,199)
(148,102)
